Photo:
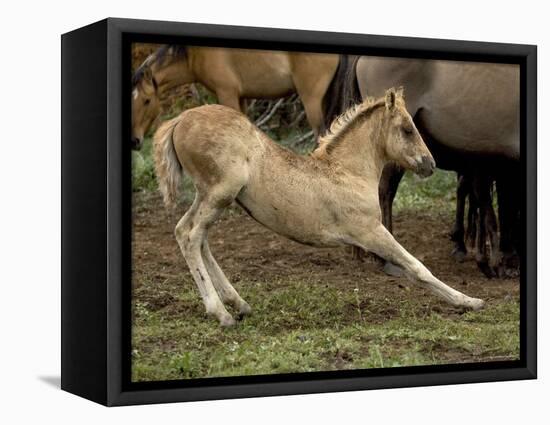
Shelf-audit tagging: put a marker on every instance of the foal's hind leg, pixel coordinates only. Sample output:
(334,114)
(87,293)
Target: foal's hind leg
(381,242)
(225,290)
(191,233)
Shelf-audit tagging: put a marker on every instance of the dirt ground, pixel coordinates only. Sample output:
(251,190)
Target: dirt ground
(251,254)
(249,251)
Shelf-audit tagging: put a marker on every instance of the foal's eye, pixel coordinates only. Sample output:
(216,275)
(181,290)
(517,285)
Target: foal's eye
(408,130)
(147,101)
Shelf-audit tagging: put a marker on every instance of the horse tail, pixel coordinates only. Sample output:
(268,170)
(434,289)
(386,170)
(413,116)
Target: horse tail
(167,166)
(343,91)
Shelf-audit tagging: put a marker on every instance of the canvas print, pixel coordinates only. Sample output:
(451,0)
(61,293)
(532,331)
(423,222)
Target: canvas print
(300,212)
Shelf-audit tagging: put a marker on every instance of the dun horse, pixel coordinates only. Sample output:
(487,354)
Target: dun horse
(233,75)
(328,198)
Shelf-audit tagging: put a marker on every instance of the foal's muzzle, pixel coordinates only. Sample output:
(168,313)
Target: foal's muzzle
(426,166)
(136,144)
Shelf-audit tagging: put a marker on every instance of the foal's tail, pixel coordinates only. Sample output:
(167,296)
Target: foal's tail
(167,166)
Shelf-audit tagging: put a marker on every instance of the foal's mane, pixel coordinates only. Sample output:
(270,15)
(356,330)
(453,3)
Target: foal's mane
(158,57)
(345,122)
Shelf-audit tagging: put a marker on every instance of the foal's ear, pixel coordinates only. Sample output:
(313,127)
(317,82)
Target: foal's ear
(400,92)
(390,99)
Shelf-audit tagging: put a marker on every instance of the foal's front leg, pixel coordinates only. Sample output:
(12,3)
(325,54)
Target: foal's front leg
(381,242)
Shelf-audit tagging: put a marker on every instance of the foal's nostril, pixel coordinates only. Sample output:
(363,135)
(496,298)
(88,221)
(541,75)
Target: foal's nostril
(427,166)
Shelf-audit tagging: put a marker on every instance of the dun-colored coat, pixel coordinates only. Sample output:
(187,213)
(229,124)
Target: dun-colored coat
(328,198)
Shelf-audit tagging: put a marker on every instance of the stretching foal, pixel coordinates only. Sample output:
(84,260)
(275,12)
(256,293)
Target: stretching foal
(328,198)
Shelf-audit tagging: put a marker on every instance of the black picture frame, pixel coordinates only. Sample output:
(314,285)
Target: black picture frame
(96,212)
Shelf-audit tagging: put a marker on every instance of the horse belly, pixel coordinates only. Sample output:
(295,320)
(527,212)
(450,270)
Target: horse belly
(292,213)
(474,108)
(264,73)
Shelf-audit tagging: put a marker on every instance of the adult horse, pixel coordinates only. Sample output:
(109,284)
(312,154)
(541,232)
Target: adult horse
(467,113)
(233,75)
(328,198)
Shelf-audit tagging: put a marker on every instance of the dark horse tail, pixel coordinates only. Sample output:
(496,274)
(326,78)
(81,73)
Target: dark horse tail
(343,91)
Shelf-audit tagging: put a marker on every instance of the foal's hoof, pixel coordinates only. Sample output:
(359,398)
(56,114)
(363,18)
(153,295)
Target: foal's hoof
(392,270)
(474,304)
(244,311)
(227,322)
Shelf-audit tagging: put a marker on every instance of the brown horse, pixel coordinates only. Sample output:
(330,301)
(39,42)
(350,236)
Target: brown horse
(467,113)
(233,75)
(328,198)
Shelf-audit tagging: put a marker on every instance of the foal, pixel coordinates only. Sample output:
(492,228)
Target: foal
(328,198)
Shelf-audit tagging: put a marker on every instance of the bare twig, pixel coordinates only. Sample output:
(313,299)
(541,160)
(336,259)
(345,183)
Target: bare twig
(304,137)
(250,106)
(266,118)
(264,105)
(297,119)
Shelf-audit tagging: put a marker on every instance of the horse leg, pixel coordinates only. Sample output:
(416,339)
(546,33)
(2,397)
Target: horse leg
(191,233)
(314,112)
(389,183)
(495,260)
(243,104)
(471,230)
(311,92)
(229,97)
(508,215)
(457,234)
(482,191)
(225,290)
(380,241)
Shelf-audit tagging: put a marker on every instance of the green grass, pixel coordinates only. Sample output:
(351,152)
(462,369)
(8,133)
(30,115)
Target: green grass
(305,326)
(437,192)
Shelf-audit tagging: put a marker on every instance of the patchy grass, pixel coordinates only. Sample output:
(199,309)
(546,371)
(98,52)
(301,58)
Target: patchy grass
(437,192)
(301,326)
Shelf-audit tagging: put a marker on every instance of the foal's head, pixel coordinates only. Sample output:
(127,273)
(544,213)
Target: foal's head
(145,104)
(403,143)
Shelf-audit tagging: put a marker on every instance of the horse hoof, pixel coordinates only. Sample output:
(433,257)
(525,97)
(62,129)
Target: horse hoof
(486,269)
(244,311)
(458,255)
(392,270)
(510,273)
(227,322)
(474,304)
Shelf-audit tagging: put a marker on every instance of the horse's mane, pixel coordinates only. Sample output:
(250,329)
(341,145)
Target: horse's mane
(345,122)
(158,57)
(173,50)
